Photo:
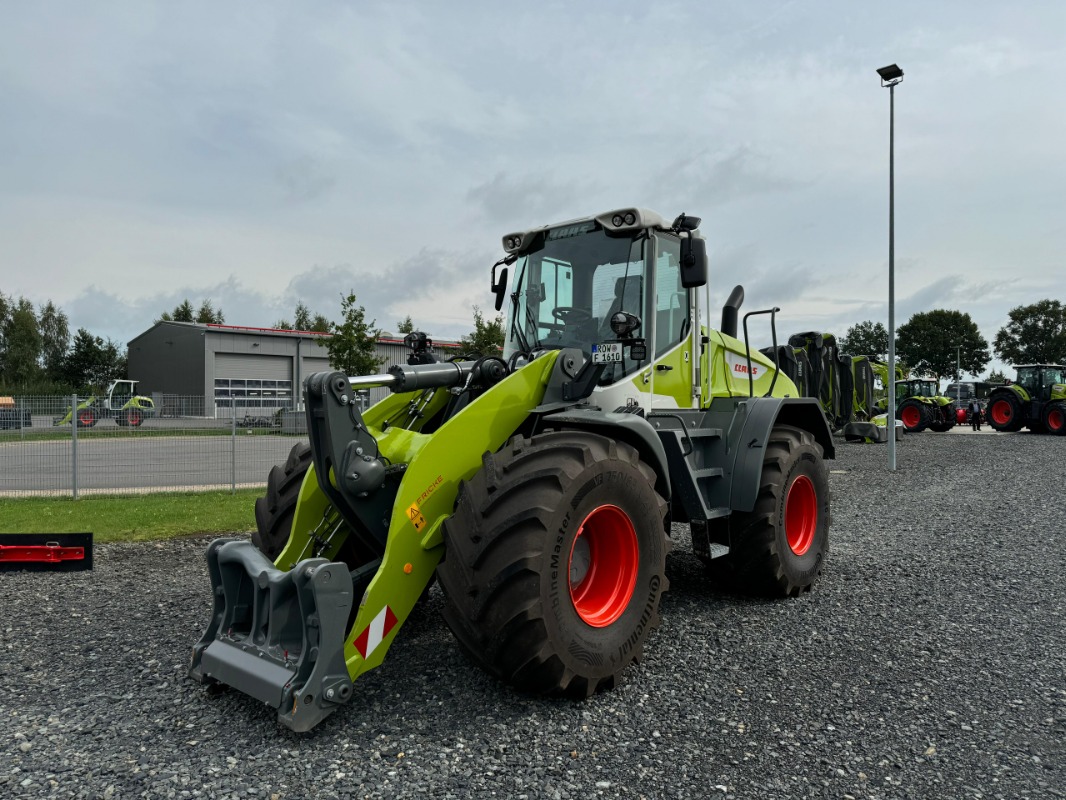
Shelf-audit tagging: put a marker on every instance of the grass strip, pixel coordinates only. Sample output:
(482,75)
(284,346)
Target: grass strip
(133,519)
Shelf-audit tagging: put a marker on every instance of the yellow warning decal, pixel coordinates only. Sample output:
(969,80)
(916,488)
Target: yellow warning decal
(416,517)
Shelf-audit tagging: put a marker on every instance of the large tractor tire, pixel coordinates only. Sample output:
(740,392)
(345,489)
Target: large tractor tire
(274,512)
(134,417)
(1005,413)
(554,562)
(915,416)
(86,417)
(779,548)
(1054,418)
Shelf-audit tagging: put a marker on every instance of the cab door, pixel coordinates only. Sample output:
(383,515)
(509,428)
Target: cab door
(670,375)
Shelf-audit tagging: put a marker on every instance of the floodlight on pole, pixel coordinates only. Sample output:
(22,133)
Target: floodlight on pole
(890,76)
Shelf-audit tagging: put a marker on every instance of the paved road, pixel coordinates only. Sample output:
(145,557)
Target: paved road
(132,462)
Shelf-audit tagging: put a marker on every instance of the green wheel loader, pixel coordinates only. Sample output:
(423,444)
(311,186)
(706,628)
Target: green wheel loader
(119,403)
(1036,399)
(537,486)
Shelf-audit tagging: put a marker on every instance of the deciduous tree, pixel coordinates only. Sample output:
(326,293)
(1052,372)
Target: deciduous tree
(928,340)
(867,338)
(55,338)
(487,337)
(1036,334)
(351,346)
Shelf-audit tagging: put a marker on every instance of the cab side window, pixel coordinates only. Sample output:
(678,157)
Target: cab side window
(671,298)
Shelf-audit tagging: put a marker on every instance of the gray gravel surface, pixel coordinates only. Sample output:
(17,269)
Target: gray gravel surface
(928,662)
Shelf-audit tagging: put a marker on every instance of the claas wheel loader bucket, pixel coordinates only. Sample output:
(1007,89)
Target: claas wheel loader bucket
(365,536)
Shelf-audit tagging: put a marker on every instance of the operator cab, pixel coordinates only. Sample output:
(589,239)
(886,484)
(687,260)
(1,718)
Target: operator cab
(1038,379)
(613,286)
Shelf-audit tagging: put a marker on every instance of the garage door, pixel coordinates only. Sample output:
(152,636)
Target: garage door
(252,384)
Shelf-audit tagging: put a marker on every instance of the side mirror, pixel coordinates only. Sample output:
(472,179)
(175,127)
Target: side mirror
(693,262)
(499,287)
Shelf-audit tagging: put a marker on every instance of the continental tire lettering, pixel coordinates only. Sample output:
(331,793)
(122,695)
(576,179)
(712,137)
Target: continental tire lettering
(645,617)
(556,559)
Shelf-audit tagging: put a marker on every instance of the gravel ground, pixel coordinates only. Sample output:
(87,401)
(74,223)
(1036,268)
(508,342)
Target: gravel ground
(928,662)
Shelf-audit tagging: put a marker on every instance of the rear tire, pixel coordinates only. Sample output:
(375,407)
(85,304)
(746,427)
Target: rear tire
(134,418)
(554,562)
(915,416)
(1055,418)
(86,418)
(274,512)
(779,548)
(1005,412)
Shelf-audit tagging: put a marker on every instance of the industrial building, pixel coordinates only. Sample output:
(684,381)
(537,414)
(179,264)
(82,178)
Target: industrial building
(249,370)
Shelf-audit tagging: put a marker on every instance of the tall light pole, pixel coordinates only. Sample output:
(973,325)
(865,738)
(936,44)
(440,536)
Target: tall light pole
(890,76)
(958,372)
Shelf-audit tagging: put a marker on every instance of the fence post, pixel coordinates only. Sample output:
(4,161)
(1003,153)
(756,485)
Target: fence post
(74,444)
(233,445)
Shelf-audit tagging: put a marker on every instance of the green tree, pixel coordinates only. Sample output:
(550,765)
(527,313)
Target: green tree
(55,338)
(927,342)
(1036,334)
(352,344)
(995,376)
(19,359)
(183,312)
(207,313)
(406,326)
(867,338)
(304,320)
(487,337)
(93,362)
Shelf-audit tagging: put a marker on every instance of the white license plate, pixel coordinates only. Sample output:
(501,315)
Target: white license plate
(607,353)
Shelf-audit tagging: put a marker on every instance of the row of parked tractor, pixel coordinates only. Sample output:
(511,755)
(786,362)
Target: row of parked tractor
(853,392)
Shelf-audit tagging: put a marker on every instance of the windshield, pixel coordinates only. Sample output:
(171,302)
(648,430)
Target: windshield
(566,291)
(1053,376)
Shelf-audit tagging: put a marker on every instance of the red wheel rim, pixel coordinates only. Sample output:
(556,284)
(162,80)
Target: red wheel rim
(1001,412)
(1056,419)
(911,417)
(85,417)
(801,514)
(603,564)
(135,418)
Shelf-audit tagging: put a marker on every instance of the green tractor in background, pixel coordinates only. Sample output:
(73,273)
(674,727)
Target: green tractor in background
(919,404)
(1036,399)
(120,404)
(537,486)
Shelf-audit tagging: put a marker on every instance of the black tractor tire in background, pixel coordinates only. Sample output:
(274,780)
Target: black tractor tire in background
(1004,412)
(1054,418)
(915,416)
(554,562)
(274,512)
(944,420)
(779,548)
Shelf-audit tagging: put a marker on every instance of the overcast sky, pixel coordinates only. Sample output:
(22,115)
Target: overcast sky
(260,154)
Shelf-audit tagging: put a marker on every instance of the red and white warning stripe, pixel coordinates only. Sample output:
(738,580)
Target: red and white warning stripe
(377,630)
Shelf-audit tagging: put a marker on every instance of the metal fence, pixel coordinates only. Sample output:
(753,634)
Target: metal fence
(181,444)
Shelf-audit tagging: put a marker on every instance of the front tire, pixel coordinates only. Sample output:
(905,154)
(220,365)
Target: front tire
(554,562)
(274,512)
(779,548)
